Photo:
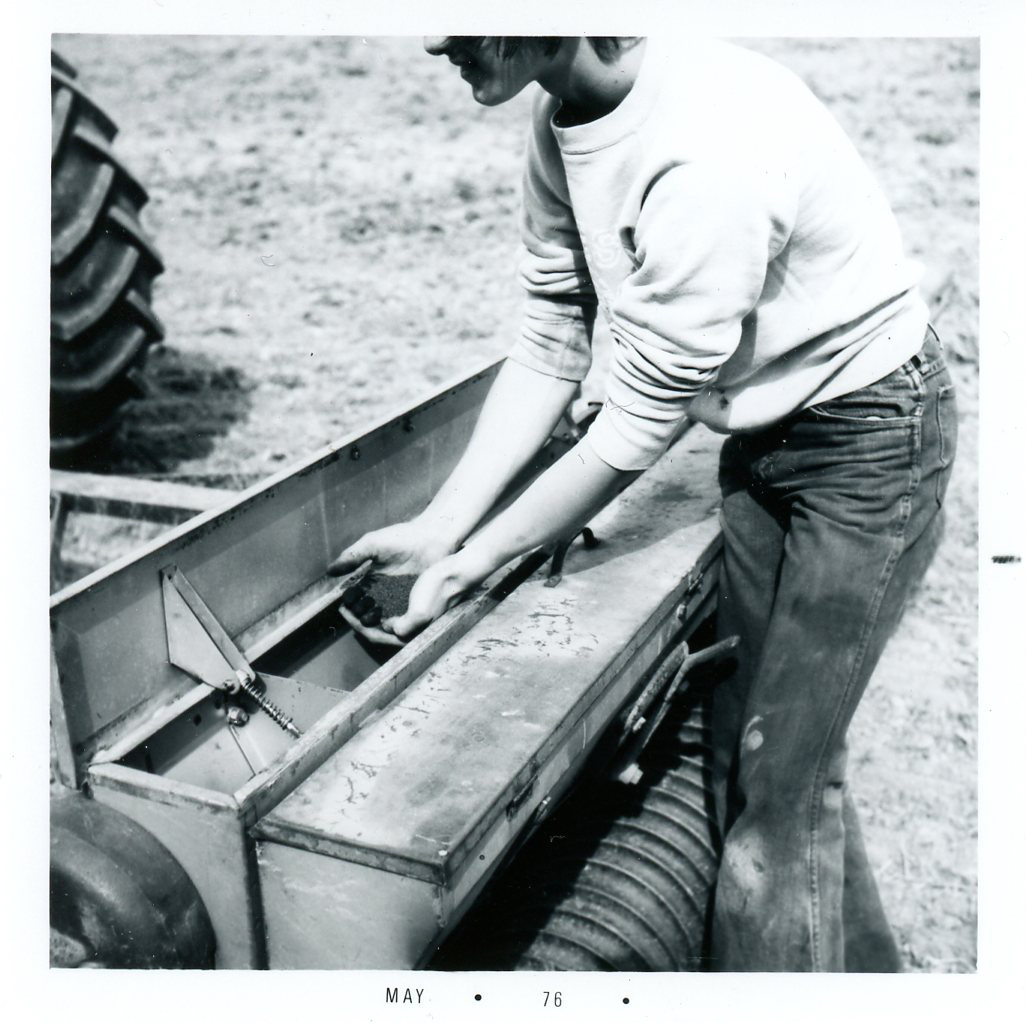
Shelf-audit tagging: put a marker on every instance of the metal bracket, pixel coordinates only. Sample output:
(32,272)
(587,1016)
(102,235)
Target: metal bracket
(514,805)
(664,687)
(199,645)
(693,590)
(578,428)
(560,550)
(196,641)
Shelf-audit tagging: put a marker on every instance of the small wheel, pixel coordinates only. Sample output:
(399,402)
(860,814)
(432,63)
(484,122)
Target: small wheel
(118,898)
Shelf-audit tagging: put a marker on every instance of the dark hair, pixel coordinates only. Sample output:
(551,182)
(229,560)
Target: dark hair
(606,47)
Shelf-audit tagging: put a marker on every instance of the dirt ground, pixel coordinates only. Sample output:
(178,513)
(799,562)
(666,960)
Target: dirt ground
(338,220)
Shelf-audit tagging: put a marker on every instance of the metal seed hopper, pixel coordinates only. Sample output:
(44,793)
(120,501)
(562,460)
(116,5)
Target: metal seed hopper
(331,803)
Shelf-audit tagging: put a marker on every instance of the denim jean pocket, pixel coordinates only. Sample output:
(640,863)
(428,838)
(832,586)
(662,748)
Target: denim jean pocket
(895,399)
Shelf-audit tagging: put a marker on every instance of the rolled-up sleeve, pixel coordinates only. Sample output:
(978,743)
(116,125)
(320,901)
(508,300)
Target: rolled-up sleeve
(559,309)
(704,237)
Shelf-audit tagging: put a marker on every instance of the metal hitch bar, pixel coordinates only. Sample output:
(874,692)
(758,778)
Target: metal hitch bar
(664,687)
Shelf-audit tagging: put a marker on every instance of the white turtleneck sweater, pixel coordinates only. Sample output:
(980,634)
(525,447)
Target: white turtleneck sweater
(745,258)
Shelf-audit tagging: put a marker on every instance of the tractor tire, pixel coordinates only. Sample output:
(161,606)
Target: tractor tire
(118,898)
(620,878)
(102,267)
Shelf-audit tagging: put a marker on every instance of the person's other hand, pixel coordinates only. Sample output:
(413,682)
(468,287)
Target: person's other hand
(439,588)
(406,548)
(435,591)
(374,633)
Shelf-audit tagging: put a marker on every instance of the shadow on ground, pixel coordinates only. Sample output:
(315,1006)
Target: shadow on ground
(193,401)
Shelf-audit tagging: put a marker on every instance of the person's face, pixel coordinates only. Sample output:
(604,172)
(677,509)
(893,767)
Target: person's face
(492,80)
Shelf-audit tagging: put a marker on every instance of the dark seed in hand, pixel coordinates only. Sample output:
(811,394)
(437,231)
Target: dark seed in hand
(372,617)
(391,592)
(351,595)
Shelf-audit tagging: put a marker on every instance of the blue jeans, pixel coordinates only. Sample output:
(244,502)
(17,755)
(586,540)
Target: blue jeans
(830,518)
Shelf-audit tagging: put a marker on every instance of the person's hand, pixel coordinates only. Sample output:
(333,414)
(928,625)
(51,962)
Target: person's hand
(374,633)
(406,548)
(373,597)
(439,588)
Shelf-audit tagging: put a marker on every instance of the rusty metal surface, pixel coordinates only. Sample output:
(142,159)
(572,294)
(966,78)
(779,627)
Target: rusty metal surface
(416,789)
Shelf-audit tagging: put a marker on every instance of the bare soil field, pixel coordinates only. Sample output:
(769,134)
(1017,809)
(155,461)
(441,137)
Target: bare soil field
(338,220)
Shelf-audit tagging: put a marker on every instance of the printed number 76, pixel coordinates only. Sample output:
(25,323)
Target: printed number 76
(557,998)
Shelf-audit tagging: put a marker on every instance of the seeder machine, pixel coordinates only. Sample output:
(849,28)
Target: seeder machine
(249,784)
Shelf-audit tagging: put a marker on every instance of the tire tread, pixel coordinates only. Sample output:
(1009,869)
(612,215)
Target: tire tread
(103,265)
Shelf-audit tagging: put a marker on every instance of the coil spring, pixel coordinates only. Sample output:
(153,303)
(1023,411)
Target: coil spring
(275,713)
